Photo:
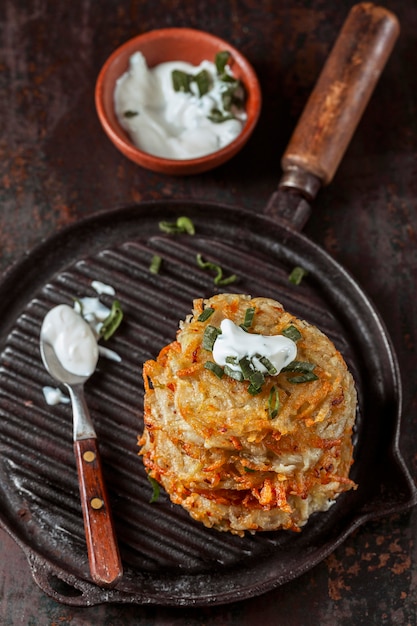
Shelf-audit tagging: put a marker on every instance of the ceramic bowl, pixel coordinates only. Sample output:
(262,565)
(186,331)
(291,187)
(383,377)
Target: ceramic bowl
(173,44)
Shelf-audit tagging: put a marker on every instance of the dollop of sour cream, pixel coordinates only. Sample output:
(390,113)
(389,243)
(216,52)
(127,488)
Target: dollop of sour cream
(168,123)
(72,339)
(235,342)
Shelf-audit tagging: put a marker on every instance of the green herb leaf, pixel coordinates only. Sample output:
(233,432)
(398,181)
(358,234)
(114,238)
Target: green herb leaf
(217,117)
(291,332)
(112,321)
(235,374)
(249,313)
(202,80)
(221,59)
(303,378)
(299,366)
(297,275)
(246,367)
(210,335)
(270,368)
(156,489)
(273,402)
(185,225)
(218,279)
(182,225)
(254,390)
(181,81)
(155,265)
(215,368)
(248,469)
(204,316)
(130,114)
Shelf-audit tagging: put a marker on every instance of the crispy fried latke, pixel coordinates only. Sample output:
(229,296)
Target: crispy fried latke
(215,448)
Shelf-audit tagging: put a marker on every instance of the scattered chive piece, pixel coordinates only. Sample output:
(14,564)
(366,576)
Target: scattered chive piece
(303,378)
(202,80)
(232,360)
(249,313)
(291,332)
(248,469)
(155,489)
(182,225)
(210,335)
(257,379)
(129,114)
(270,368)
(185,225)
(213,367)
(297,275)
(235,374)
(181,81)
(155,265)
(273,402)
(245,366)
(221,60)
(254,390)
(218,279)
(205,314)
(112,321)
(299,366)
(217,117)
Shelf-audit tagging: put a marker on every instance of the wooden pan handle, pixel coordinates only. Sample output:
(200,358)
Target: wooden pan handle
(341,94)
(103,552)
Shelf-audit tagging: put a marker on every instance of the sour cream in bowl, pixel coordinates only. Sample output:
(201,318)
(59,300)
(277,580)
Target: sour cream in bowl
(178,100)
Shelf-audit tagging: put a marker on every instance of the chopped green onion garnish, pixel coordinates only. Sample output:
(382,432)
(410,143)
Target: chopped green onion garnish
(303,378)
(78,306)
(182,225)
(210,335)
(235,374)
(155,489)
(208,312)
(273,402)
(246,367)
(221,60)
(217,117)
(254,390)
(202,80)
(248,469)
(185,225)
(129,114)
(297,275)
(213,367)
(257,378)
(291,332)
(270,368)
(299,366)
(155,265)
(249,313)
(112,321)
(232,360)
(218,280)
(181,81)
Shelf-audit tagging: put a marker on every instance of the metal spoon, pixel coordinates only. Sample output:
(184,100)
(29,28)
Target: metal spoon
(103,552)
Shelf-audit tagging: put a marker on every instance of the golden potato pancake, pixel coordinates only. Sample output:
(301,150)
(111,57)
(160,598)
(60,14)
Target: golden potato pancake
(239,460)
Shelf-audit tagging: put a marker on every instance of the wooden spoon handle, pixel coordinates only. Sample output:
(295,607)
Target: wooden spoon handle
(103,552)
(341,94)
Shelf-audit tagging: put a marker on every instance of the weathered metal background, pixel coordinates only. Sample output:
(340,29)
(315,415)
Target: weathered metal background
(57,166)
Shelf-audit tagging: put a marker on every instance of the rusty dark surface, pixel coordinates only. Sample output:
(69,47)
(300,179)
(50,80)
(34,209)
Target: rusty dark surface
(57,167)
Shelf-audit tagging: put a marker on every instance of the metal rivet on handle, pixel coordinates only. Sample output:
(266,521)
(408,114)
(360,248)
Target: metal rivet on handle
(97,503)
(89,456)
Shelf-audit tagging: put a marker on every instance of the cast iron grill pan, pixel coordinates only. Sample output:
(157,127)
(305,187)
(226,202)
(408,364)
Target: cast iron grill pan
(168,558)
